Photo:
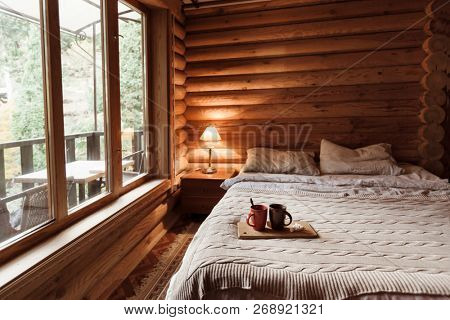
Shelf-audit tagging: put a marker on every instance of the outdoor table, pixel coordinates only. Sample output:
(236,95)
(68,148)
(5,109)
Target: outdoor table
(80,172)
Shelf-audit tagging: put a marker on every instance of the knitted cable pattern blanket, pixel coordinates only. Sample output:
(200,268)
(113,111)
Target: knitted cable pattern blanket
(370,242)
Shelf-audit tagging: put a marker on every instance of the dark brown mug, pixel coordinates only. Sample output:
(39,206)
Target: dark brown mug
(258,214)
(278,215)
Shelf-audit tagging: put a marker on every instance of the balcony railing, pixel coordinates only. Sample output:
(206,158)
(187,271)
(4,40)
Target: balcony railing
(93,152)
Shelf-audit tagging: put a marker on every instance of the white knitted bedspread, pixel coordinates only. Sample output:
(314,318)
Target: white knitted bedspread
(371,241)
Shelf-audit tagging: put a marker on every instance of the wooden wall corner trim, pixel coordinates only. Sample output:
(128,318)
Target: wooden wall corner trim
(435,85)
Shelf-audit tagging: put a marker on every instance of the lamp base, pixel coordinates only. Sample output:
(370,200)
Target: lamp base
(209,170)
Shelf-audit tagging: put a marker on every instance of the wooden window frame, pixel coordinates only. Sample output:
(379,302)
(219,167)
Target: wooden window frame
(54,120)
(145,12)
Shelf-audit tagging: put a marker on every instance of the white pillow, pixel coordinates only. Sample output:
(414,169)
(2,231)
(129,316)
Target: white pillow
(275,161)
(371,160)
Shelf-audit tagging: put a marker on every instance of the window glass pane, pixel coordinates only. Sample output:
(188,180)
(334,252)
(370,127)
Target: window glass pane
(84,120)
(23,163)
(132,91)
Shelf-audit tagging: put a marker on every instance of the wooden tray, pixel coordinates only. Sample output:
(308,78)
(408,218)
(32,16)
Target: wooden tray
(247,232)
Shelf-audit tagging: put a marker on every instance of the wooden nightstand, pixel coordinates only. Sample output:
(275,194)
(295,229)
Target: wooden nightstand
(200,192)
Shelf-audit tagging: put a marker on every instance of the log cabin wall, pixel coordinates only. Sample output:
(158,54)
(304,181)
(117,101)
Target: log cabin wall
(287,73)
(179,66)
(434,115)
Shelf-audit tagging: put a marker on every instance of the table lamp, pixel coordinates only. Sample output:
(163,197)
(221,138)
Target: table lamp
(210,135)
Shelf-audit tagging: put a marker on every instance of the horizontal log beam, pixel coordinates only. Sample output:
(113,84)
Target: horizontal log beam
(382,58)
(180,136)
(179,46)
(308,79)
(432,115)
(180,92)
(395,91)
(438,61)
(306,110)
(436,43)
(322,12)
(438,9)
(250,7)
(179,31)
(239,155)
(432,132)
(180,107)
(319,125)
(407,141)
(310,30)
(434,81)
(179,62)
(385,40)
(180,77)
(180,122)
(433,99)
(432,27)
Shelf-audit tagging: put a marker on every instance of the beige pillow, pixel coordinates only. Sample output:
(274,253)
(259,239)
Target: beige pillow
(275,161)
(371,160)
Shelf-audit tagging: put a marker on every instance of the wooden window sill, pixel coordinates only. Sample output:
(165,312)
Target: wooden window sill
(68,238)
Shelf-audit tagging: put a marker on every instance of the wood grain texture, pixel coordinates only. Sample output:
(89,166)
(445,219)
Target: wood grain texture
(398,57)
(395,91)
(180,92)
(180,107)
(47,279)
(238,156)
(436,43)
(193,12)
(180,122)
(180,62)
(180,78)
(180,162)
(306,110)
(286,74)
(305,14)
(435,84)
(99,268)
(316,79)
(349,43)
(121,270)
(179,46)
(432,115)
(181,136)
(310,30)
(179,30)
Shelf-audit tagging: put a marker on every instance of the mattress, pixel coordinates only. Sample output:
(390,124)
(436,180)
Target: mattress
(380,237)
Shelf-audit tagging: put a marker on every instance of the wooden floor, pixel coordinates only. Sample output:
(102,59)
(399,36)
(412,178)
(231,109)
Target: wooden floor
(150,279)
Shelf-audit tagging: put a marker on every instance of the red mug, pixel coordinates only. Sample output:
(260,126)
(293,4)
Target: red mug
(259,214)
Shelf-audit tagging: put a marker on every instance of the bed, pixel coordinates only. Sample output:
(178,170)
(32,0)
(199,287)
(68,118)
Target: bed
(381,237)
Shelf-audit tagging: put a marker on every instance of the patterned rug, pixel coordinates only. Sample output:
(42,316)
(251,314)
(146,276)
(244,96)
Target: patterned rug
(150,279)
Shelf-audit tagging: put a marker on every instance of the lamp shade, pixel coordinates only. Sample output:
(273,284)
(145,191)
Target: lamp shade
(210,134)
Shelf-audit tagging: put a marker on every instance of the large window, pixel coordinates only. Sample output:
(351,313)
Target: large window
(82,80)
(61,154)
(132,90)
(24,190)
